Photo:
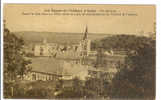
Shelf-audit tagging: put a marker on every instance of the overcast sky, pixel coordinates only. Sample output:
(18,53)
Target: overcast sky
(16,21)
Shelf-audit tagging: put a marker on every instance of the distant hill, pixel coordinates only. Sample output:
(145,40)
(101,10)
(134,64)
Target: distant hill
(63,38)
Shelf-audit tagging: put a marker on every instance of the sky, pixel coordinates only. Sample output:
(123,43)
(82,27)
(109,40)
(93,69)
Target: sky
(142,20)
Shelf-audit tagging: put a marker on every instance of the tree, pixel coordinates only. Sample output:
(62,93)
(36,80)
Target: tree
(15,63)
(136,78)
(14,60)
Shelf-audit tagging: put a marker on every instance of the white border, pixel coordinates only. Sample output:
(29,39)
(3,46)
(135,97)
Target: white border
(140,2)
(1,51)
(85,1)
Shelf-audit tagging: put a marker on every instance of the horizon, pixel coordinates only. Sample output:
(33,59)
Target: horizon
(141,33)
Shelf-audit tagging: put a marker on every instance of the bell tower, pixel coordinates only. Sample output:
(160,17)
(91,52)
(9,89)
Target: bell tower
(85,44)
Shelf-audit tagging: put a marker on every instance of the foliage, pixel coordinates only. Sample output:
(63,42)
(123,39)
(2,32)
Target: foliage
(136,78)
(119,42)
(14,61)
(97,86)
(31,90)
(79,89)
(73,91)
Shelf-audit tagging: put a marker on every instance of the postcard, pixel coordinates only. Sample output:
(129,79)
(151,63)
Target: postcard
(79,51)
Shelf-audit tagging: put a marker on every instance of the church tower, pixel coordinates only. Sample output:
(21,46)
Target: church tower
(85,44)
(85,34)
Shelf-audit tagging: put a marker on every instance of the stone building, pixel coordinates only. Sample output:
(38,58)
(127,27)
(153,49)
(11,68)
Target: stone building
(45,49)
(80,49)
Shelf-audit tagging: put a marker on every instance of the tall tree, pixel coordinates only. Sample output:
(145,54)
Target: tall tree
(14,60)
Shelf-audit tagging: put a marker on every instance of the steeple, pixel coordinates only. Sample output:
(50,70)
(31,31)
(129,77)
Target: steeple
(85,34)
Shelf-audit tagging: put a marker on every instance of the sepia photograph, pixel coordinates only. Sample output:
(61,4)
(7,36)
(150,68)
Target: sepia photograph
(79,51)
